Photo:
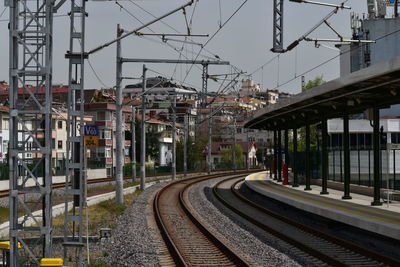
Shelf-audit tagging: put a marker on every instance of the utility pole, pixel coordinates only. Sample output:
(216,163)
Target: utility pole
(209,141)
(247,157)
(204,63)
(234,144)
(174,139)
(185,145)
(75,178)
(133,144)
(204,85)
(119,196)
(143,135)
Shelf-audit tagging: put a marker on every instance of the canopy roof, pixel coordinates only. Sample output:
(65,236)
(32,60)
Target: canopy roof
(378,85)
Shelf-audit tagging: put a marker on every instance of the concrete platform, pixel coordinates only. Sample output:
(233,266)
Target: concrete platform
(358,212)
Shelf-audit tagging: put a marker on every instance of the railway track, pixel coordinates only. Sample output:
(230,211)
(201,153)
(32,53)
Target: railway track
(189,242)
(5,193)
(325,247)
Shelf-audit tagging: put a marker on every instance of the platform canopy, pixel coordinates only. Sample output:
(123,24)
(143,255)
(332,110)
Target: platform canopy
(378,85)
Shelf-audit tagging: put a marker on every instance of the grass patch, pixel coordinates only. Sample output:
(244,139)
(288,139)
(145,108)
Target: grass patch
(4,213)
(101,215)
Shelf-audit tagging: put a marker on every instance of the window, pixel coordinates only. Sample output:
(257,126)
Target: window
(383,140)
(53,143)
(105,134)
(395,138)
(59,124)
(108,153)
(103,116)
(6,124)
(336,140)
(60,144)
(368,141)
(353,141)
(361,141)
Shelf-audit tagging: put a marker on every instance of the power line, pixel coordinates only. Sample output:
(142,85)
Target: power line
(265,64)
(212,37)
(96,75)
(329,60)
(171,46)
(213,55)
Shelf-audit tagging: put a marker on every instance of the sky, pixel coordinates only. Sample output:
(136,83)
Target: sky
(245,40)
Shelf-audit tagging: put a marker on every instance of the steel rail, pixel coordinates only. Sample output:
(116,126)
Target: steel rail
(5,193)
(173,248)
(312,251)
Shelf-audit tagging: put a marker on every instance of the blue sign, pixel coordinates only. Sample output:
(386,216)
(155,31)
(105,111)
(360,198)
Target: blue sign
(91,130)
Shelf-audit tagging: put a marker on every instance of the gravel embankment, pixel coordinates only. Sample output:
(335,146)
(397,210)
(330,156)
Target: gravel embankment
(133,238)
(263,248)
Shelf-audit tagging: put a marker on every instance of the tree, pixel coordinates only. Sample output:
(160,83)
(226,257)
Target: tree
(152,141)
(313,83)
(301,133)
(227,157)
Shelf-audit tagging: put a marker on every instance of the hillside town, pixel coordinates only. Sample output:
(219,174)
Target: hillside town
(100,111)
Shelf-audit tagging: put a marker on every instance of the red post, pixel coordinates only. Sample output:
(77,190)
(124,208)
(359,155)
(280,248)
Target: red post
(285,174)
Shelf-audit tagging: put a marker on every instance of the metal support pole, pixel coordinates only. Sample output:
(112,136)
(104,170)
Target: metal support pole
(209,141)
(185,145)
(234,145)
(287,146)
(278,27)
(133,143)
(346,156)
(247,160)
(377,154)
(294,163)
(119,142)
(275,163)
(75,178)
(279,156)
(325,159)
(174,139)
(204,85)
(143,133)
(30,68)
(308,158)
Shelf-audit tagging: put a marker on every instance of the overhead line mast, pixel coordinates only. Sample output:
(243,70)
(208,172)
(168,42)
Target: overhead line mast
(30,70)
(75,179)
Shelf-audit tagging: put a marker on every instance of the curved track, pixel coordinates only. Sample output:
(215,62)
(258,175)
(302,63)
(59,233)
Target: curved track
(5,193)
(189,242)
(327,248)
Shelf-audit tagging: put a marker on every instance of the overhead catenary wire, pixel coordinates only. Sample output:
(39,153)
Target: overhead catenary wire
(215,33)
(213,55)
(171,46)
(332,58)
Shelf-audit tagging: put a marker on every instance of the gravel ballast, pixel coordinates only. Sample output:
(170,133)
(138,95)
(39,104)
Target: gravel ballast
(133,240)
(263,248)
(135,243)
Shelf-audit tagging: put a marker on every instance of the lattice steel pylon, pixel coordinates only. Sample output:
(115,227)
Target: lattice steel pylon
(277,46)
(75,197)
(30,99)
